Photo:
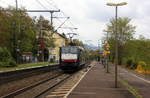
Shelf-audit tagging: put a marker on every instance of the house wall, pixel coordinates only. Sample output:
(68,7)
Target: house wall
(59,42)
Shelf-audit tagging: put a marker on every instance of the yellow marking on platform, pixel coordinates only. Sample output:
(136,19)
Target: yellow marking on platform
(49,96)
(62,89)
(68,84)
(60,92)
(65,87)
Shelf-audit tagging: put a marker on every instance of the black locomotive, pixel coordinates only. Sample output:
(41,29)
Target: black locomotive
(72,58)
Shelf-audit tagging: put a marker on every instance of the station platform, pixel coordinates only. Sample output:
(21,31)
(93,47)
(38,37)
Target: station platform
(99,84)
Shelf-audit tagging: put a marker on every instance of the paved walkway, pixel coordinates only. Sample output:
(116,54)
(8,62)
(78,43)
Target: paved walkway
(99,84)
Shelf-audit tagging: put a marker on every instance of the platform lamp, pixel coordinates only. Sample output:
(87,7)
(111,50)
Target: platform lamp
(107,46)
(116,38)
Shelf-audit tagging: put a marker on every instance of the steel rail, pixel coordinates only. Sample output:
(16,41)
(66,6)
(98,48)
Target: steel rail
(17,92)
(55,85)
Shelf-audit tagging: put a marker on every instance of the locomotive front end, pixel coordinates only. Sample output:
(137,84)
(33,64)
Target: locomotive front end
(69,58)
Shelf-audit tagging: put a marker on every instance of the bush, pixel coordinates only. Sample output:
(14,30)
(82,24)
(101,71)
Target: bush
(6,58)
(143,64)
(2,64)
(12,63)
(4,54)
(142,67)
(134,65)
(130,63)
(9,63)
(124,61)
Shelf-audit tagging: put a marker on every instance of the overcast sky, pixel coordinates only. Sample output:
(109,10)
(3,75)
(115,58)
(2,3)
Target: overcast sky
(91,16)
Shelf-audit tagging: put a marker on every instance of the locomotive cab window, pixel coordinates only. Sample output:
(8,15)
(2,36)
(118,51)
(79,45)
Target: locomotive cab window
(69,50)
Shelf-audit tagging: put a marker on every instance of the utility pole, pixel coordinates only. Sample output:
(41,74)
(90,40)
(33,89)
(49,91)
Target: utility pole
(107,49)
(15,33)
(41,41)
(99,50)
(51,18)
(51,13)
(16,5)
(18,31)
(107,53)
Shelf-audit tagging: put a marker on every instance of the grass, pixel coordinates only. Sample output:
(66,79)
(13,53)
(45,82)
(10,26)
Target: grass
(130,88)
(25,66)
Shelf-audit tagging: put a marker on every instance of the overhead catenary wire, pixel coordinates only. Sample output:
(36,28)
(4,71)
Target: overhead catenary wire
(65,26)
(53,3)
(41,4)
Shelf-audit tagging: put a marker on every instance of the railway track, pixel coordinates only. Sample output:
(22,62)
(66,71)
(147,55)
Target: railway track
(11,81)
(33,90)
(63,90)
(40,88)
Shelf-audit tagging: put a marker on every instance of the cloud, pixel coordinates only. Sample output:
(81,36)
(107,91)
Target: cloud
(91,16)
(98,11)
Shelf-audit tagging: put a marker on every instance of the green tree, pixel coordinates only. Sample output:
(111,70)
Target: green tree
(125,32)
(78,42)
(137,50)
(16,31)
(19,31)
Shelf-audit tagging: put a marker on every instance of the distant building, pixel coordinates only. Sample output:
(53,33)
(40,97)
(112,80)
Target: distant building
(59,41)
(26,57)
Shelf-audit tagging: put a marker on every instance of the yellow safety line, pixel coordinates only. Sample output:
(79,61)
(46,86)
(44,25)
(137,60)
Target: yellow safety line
(60,92)
(62,89)
(55,95)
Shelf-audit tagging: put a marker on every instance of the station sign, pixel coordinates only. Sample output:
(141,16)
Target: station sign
(105,53)
(101,52)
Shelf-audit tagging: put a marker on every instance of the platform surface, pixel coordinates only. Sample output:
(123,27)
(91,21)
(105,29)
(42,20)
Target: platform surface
(99,84)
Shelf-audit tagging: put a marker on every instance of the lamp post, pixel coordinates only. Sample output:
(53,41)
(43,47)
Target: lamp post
(107,49)
(116,38)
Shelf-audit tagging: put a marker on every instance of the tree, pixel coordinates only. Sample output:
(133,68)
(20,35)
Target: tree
(43,23)
(78,42)
(138,50)
(125,33)
(19,31)
(125,29)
